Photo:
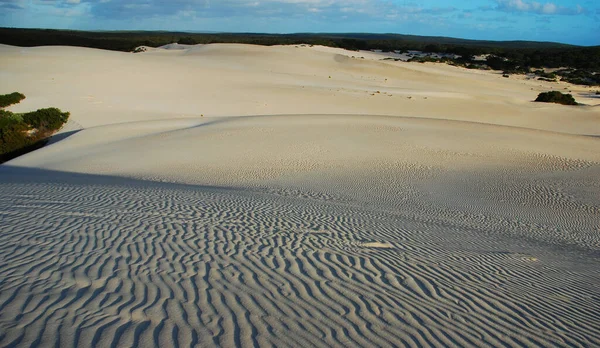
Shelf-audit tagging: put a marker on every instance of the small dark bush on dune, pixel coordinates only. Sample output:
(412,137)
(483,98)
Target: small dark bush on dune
(50,119)
(545,75)
(4,113)
(21,133)
(10,99)
(13,135)
(556,97)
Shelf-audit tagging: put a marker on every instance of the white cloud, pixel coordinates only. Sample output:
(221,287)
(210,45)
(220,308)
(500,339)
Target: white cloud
(547,8)
(330,9)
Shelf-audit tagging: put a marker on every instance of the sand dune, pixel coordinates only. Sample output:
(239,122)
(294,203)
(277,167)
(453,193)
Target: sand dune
(102,87)
(231,195)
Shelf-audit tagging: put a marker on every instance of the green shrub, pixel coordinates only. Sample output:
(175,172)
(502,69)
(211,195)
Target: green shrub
(580,77)
(21,133)
(10,99)
(425,60)
(13,135)
(543,74)
(556,97)
(50,119)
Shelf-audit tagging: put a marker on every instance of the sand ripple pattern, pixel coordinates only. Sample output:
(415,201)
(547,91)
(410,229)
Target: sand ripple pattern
(141,264)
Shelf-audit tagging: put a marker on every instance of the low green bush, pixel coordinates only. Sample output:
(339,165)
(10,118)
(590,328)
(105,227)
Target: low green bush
(10,99)
(13,135)
(4,113)
(543,74)
(580,77)
(425,60)
(20,133)
(50,119)
(556,97)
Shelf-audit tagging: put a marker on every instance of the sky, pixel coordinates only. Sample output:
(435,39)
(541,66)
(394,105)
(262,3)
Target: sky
(565,21)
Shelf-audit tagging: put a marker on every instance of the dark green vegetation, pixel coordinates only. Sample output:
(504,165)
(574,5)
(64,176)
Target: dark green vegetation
(511,57)
(24,132)
(577,76)
(556,97)
(580,77)
(10,99)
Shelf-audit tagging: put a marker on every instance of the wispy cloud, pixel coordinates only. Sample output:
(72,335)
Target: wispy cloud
(128,9)
(548,8)
(11,5)
(211,8)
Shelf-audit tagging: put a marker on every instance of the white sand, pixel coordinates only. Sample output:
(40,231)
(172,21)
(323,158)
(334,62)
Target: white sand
(237,195)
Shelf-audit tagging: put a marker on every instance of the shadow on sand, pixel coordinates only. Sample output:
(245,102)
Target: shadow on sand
(38,145)
(24,175)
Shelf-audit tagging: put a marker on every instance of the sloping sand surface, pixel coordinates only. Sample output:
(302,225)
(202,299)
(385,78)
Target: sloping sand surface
(232,195)
(103,87)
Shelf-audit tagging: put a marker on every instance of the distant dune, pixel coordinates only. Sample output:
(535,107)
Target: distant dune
(236,195)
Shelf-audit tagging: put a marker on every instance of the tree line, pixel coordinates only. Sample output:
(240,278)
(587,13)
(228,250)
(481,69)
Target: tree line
(518,53)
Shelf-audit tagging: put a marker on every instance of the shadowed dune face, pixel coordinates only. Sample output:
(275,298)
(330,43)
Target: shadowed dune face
(153,221)
(110,261)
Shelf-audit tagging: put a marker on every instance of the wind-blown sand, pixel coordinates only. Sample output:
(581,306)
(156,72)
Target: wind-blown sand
(231,195)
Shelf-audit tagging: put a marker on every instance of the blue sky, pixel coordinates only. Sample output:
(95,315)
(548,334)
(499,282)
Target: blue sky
(557,20)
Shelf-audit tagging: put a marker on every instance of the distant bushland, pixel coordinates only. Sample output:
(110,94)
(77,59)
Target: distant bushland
(186,41)
(508,54)
(24,132)
(556,97)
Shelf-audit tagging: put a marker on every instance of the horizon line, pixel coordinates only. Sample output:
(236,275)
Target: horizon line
(302,33)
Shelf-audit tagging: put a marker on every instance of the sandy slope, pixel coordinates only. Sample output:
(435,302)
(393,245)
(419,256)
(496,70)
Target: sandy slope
(102,87)
(463,216)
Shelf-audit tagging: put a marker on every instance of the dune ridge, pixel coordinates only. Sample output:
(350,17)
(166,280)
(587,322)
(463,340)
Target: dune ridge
(232,195)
